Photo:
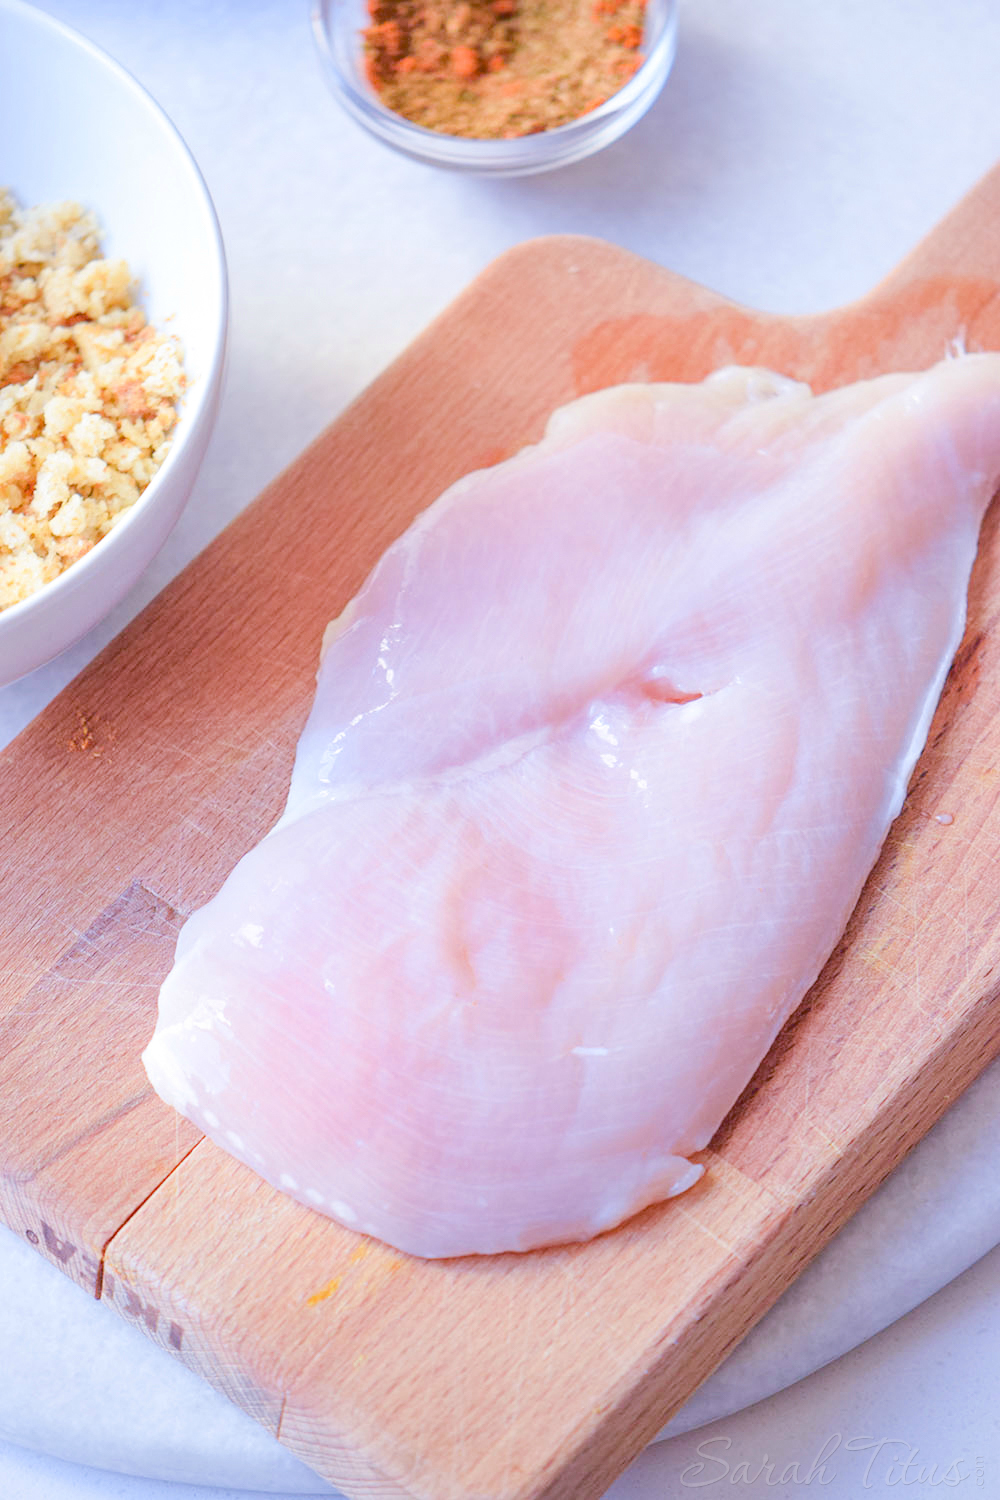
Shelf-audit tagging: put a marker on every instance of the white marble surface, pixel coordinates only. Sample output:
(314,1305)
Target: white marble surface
(798,152)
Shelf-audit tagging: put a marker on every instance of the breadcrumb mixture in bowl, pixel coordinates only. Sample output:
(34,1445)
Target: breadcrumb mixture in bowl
(88,393)
(102,432)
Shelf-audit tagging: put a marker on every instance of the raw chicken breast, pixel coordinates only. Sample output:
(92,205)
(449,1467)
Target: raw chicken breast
(599,760)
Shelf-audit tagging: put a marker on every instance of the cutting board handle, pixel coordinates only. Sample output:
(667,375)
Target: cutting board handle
(966,243)
(943,298)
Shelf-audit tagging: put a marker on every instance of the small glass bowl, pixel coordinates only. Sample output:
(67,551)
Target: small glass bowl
(337,26)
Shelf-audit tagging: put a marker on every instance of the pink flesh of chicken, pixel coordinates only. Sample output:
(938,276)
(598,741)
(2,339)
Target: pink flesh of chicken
(599,760)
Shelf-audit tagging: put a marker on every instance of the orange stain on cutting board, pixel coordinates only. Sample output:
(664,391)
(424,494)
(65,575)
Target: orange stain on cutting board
(360,1286)
(324,1292)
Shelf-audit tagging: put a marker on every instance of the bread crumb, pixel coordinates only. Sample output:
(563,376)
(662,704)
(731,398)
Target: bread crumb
(88,393)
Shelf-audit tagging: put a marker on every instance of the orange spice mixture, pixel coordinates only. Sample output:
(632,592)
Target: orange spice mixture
(492,69)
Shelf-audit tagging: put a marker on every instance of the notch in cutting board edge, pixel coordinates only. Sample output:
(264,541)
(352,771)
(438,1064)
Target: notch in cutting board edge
(84,1140)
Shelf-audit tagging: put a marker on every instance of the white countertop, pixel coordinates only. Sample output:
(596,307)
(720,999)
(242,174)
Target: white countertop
(798,151)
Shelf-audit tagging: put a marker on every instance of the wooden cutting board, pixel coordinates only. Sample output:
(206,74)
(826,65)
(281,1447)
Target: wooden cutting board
(533,1377)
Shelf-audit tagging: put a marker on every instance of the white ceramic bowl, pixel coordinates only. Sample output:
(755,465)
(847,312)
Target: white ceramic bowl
(74,125)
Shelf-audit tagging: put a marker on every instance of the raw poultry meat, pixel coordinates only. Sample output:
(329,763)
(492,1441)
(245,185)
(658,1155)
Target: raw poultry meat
(599,760)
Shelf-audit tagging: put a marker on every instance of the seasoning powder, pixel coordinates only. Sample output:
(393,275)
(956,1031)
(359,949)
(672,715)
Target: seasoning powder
(493,69)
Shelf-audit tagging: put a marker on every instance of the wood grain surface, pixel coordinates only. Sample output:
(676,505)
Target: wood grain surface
(514,1377)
